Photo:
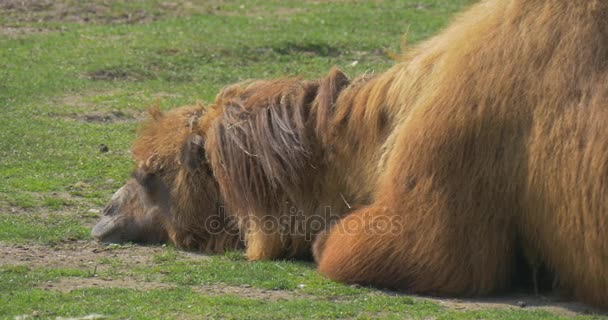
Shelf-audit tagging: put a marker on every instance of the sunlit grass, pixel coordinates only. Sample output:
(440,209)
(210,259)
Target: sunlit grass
(69,84)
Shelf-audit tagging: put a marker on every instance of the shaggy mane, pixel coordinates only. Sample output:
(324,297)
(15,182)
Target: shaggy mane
(261,142)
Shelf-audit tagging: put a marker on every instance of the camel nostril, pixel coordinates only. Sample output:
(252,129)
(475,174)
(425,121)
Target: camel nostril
(109,210)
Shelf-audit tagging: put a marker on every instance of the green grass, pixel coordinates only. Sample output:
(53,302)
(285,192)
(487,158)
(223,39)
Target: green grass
(185,294)
(41,228)
(50,82)
(74,80)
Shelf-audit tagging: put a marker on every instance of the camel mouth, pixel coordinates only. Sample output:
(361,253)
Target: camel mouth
(106,230)
(114,230)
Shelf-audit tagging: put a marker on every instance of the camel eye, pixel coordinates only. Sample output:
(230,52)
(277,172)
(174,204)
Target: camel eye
(149,181)
(208,170)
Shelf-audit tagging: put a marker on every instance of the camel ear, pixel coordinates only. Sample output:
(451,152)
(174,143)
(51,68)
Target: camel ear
(155,112)
(193,153)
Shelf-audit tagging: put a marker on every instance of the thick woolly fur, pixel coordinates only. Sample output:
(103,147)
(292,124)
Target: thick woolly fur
(191,207)
(487,140)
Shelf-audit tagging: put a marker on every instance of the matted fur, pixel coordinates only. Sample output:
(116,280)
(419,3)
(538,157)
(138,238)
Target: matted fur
(260,148)
(499,144)
(486,140)
(262,140)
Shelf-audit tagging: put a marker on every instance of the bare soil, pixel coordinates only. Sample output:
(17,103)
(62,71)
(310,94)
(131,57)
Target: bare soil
(550,303)
(15,32)
(108,117)
(99,12)
(78,254)
(83,110)
(112,12)
(89,255)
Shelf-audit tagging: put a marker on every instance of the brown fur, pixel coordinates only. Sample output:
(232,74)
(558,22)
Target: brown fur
(500,143)
(259,147)
(486,138)
(485,142)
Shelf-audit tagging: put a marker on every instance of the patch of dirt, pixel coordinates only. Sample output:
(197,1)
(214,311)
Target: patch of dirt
(80,254)
(118,74)
(100,107)
(103,12)
(154,69)
(15,32)
(88,255)
(307,48)
(100,112)
(550,303)
(109,117)
(12,210)
(81,99)
(70,284)
(250,292)
(123,12)
(104,116)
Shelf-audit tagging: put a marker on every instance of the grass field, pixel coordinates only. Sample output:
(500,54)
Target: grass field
(75,75)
